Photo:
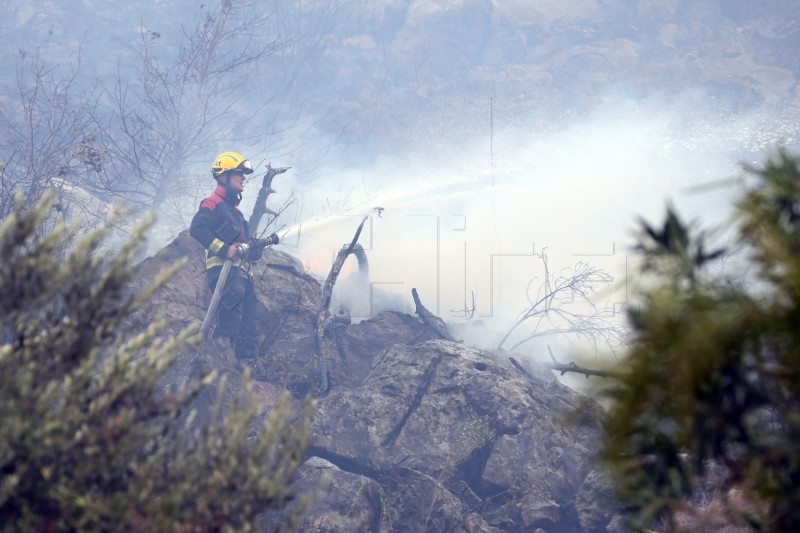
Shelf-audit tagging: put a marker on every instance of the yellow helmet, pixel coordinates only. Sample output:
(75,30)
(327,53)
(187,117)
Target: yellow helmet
(230,161)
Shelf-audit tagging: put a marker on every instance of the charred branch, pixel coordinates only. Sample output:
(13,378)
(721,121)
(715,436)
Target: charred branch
(563,368)
(260,209)
(431,320)
(323,315)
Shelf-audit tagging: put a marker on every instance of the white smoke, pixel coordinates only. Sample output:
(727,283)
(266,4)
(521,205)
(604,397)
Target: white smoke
(465,225)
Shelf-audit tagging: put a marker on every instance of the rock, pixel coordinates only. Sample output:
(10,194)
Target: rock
(346,501)
(595,502)
(538,511)
(467,419)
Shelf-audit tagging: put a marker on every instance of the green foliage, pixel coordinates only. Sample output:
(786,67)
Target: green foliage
(89,441)
(711,387)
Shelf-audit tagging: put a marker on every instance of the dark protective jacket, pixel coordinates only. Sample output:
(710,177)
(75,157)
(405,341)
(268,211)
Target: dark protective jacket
(217,225)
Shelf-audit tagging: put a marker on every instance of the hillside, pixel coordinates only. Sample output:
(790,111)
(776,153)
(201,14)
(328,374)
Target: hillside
(399,74)
(414,433)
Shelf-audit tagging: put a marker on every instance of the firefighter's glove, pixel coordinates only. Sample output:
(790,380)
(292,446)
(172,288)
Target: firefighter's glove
(237,251)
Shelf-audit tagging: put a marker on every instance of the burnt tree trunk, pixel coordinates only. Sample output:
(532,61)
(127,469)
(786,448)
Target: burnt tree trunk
(261,209)
(323,316)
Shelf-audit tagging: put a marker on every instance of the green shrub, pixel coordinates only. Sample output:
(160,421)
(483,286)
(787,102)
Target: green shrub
(88,439)
(710,391)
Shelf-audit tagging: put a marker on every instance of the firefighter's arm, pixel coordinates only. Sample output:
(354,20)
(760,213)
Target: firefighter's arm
(201,230)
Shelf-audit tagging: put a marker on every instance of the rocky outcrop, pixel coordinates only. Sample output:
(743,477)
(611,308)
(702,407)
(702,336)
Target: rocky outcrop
(463,426)
(415,433)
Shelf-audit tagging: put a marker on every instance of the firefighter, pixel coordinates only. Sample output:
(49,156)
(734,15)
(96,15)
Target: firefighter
(225,234)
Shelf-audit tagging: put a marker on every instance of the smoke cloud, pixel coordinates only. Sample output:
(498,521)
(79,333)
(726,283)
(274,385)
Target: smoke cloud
(468,223)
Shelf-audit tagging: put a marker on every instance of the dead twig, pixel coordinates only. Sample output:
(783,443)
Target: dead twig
(563,368)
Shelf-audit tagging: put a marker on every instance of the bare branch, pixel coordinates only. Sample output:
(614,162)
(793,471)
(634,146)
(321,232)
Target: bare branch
(563,368)
(49,139)
(174,113)
(561,304)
